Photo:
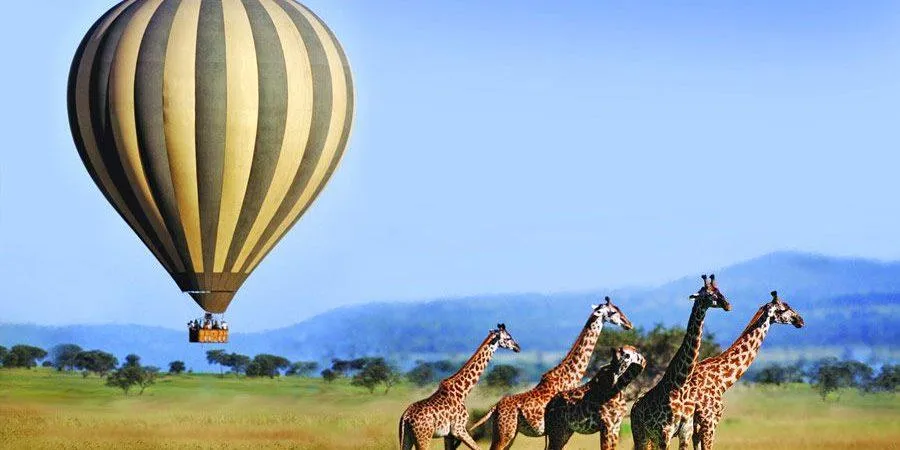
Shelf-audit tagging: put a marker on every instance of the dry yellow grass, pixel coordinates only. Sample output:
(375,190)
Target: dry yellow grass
(44,409)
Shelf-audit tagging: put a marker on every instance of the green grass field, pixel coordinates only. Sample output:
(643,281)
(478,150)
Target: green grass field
(44,409)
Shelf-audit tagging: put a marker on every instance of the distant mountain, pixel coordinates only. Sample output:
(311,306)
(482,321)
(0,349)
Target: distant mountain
(845,303)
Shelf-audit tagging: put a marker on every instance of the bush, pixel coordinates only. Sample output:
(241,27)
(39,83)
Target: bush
(425,373)
(778,374)
(176,367)
(329,375)
(348,367)
(503,376)
(133,374)
(830,375)
(376,371)
(888,380)
(302,368)
(265,365)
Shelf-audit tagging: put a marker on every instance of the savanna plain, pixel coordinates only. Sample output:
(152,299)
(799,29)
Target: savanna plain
(42,408)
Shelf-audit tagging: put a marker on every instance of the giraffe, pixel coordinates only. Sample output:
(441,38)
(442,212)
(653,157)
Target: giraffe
(444,413)
(596,406)
(713,376)
(654,415)
(524,412)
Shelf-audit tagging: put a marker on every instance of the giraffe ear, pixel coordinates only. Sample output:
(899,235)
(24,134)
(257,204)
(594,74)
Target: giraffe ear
(595,306)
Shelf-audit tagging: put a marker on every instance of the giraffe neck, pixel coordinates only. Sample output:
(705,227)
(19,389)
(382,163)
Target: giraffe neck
(744,350)
(686,357)
(464,380)
(569,372)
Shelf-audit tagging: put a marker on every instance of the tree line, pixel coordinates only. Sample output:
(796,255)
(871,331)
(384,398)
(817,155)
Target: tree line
(658,345)
(830,375)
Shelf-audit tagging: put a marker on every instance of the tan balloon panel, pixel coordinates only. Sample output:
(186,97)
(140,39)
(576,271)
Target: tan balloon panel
(210,126)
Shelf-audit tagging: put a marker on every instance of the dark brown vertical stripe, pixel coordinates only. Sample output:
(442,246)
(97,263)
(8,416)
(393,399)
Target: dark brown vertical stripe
(271,121)
(321,118)
(73,107)
(348,119)
(103,133)
(75,127)
(211,95)
(345,135)
(151,133)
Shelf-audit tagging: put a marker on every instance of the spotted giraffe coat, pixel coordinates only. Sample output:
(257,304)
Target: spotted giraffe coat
(597,406)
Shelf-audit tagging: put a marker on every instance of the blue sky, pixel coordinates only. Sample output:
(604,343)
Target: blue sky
(501,146)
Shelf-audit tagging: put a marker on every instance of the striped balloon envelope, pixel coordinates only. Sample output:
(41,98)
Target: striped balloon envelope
(210,126)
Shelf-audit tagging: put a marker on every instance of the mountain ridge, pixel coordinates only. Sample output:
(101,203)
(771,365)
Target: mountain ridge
(845,301)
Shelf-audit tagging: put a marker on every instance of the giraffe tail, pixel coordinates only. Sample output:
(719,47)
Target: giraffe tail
(402,431)
(484,419)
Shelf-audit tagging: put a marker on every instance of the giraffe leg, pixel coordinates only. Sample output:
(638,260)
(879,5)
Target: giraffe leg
(695,432)
(685,429)
(451,443)
(558,437)
(462,436)
(609,436)
(505,428)
(423,436)
(641,438)
(707,429)
(406,438)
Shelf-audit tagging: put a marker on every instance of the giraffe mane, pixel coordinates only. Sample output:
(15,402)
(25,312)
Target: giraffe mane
(756,318)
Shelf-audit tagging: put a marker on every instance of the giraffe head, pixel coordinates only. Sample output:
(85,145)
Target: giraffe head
(624,358)
(608,312)
(779,311)
(502,338)
(710,295)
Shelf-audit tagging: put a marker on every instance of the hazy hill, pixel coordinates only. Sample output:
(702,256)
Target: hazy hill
(845,303)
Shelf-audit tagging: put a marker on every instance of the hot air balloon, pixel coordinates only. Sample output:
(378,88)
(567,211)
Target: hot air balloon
(210,126)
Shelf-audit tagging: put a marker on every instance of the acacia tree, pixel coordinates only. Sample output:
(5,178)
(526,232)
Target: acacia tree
(236,362)
(302,368)
(888,380)
(216,357)
(266,365)
(329,375)
(376,371)
(427,372)
(133,374)
(23,356)
(503,376)
(96,361)
(176,367)
(64,356)
(830,375)
(778,374)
